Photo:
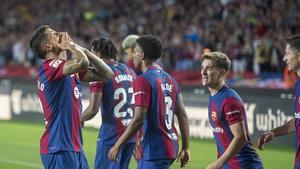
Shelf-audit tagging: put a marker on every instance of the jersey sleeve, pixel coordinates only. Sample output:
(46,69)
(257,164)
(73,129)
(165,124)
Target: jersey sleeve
(54,69)
(233,110)
(142,92)
(96,87)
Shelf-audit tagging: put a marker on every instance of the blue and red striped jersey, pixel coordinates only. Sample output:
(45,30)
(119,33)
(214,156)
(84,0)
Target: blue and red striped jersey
(117,103)
(60,98)
(297,122)
(226,108)
(158,91)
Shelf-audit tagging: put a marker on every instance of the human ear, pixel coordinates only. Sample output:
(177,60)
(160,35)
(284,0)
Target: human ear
(47,47)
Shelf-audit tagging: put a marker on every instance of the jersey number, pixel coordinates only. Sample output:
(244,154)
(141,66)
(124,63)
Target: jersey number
(169,112)
(127,114)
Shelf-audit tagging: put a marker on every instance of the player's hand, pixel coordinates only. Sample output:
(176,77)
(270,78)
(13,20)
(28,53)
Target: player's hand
(184,157)
(264,138)
(136,151)
(214,165)
(65,41)
(113,153)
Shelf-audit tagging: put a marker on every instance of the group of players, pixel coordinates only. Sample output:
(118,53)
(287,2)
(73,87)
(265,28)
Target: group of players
(138,102)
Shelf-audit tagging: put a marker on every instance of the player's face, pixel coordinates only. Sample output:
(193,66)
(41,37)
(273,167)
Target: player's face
(53,39)
(211,76)
(291,58)
(128,54)
(137,56)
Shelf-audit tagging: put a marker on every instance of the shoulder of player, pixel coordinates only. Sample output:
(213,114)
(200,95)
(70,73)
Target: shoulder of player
(51,63)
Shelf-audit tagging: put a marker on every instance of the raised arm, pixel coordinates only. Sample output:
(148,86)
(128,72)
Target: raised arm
(79,61)
(99,70)
(184,154)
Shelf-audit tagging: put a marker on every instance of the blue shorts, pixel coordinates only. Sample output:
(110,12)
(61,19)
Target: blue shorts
(155,164)
(102,161)
(65,160)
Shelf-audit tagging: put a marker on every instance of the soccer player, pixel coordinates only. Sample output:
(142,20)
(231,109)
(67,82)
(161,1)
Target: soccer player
(227,117)
(292,59)
(157,100)
(128,46)
(60,93)
(115,96)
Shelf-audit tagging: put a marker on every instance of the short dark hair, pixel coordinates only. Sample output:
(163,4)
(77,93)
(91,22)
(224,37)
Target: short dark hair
(105,47)
(151,46)
(37,40)
(219,59)
(294,42)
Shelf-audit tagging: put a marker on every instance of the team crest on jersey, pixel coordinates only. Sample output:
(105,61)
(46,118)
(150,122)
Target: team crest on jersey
(214,115)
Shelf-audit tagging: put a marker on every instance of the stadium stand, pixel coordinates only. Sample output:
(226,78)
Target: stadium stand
(251,32)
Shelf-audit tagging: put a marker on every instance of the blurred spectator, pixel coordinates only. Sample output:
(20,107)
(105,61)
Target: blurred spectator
(240,28)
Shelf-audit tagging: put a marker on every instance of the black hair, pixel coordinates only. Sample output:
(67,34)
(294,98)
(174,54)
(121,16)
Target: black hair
(294,42)
(37,40)
(105,47)
(151,46)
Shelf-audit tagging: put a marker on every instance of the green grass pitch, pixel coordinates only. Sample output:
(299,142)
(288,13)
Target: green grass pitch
(19,149)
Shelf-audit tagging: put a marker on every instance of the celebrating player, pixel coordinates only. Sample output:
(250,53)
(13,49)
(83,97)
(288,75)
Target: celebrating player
(157,99)
(60,93)
(115,96)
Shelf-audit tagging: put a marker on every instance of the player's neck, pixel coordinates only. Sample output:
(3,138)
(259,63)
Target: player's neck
(62,55)
(146,65)
(215,88)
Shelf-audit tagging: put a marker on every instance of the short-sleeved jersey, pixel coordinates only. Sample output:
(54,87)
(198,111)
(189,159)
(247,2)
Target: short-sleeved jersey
(117,104)
(226,108)
(158,91)
(297,122)
(60,98)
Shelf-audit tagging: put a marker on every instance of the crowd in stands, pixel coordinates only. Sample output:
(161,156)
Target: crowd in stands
(250,32)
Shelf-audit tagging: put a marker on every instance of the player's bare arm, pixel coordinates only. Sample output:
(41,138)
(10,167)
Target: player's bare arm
(239,139)
(184,154)
(134,126)
(99,70)
(285,129)
(136,151)
(92,108)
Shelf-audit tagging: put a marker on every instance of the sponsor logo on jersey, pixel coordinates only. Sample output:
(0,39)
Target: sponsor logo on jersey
(218,130)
